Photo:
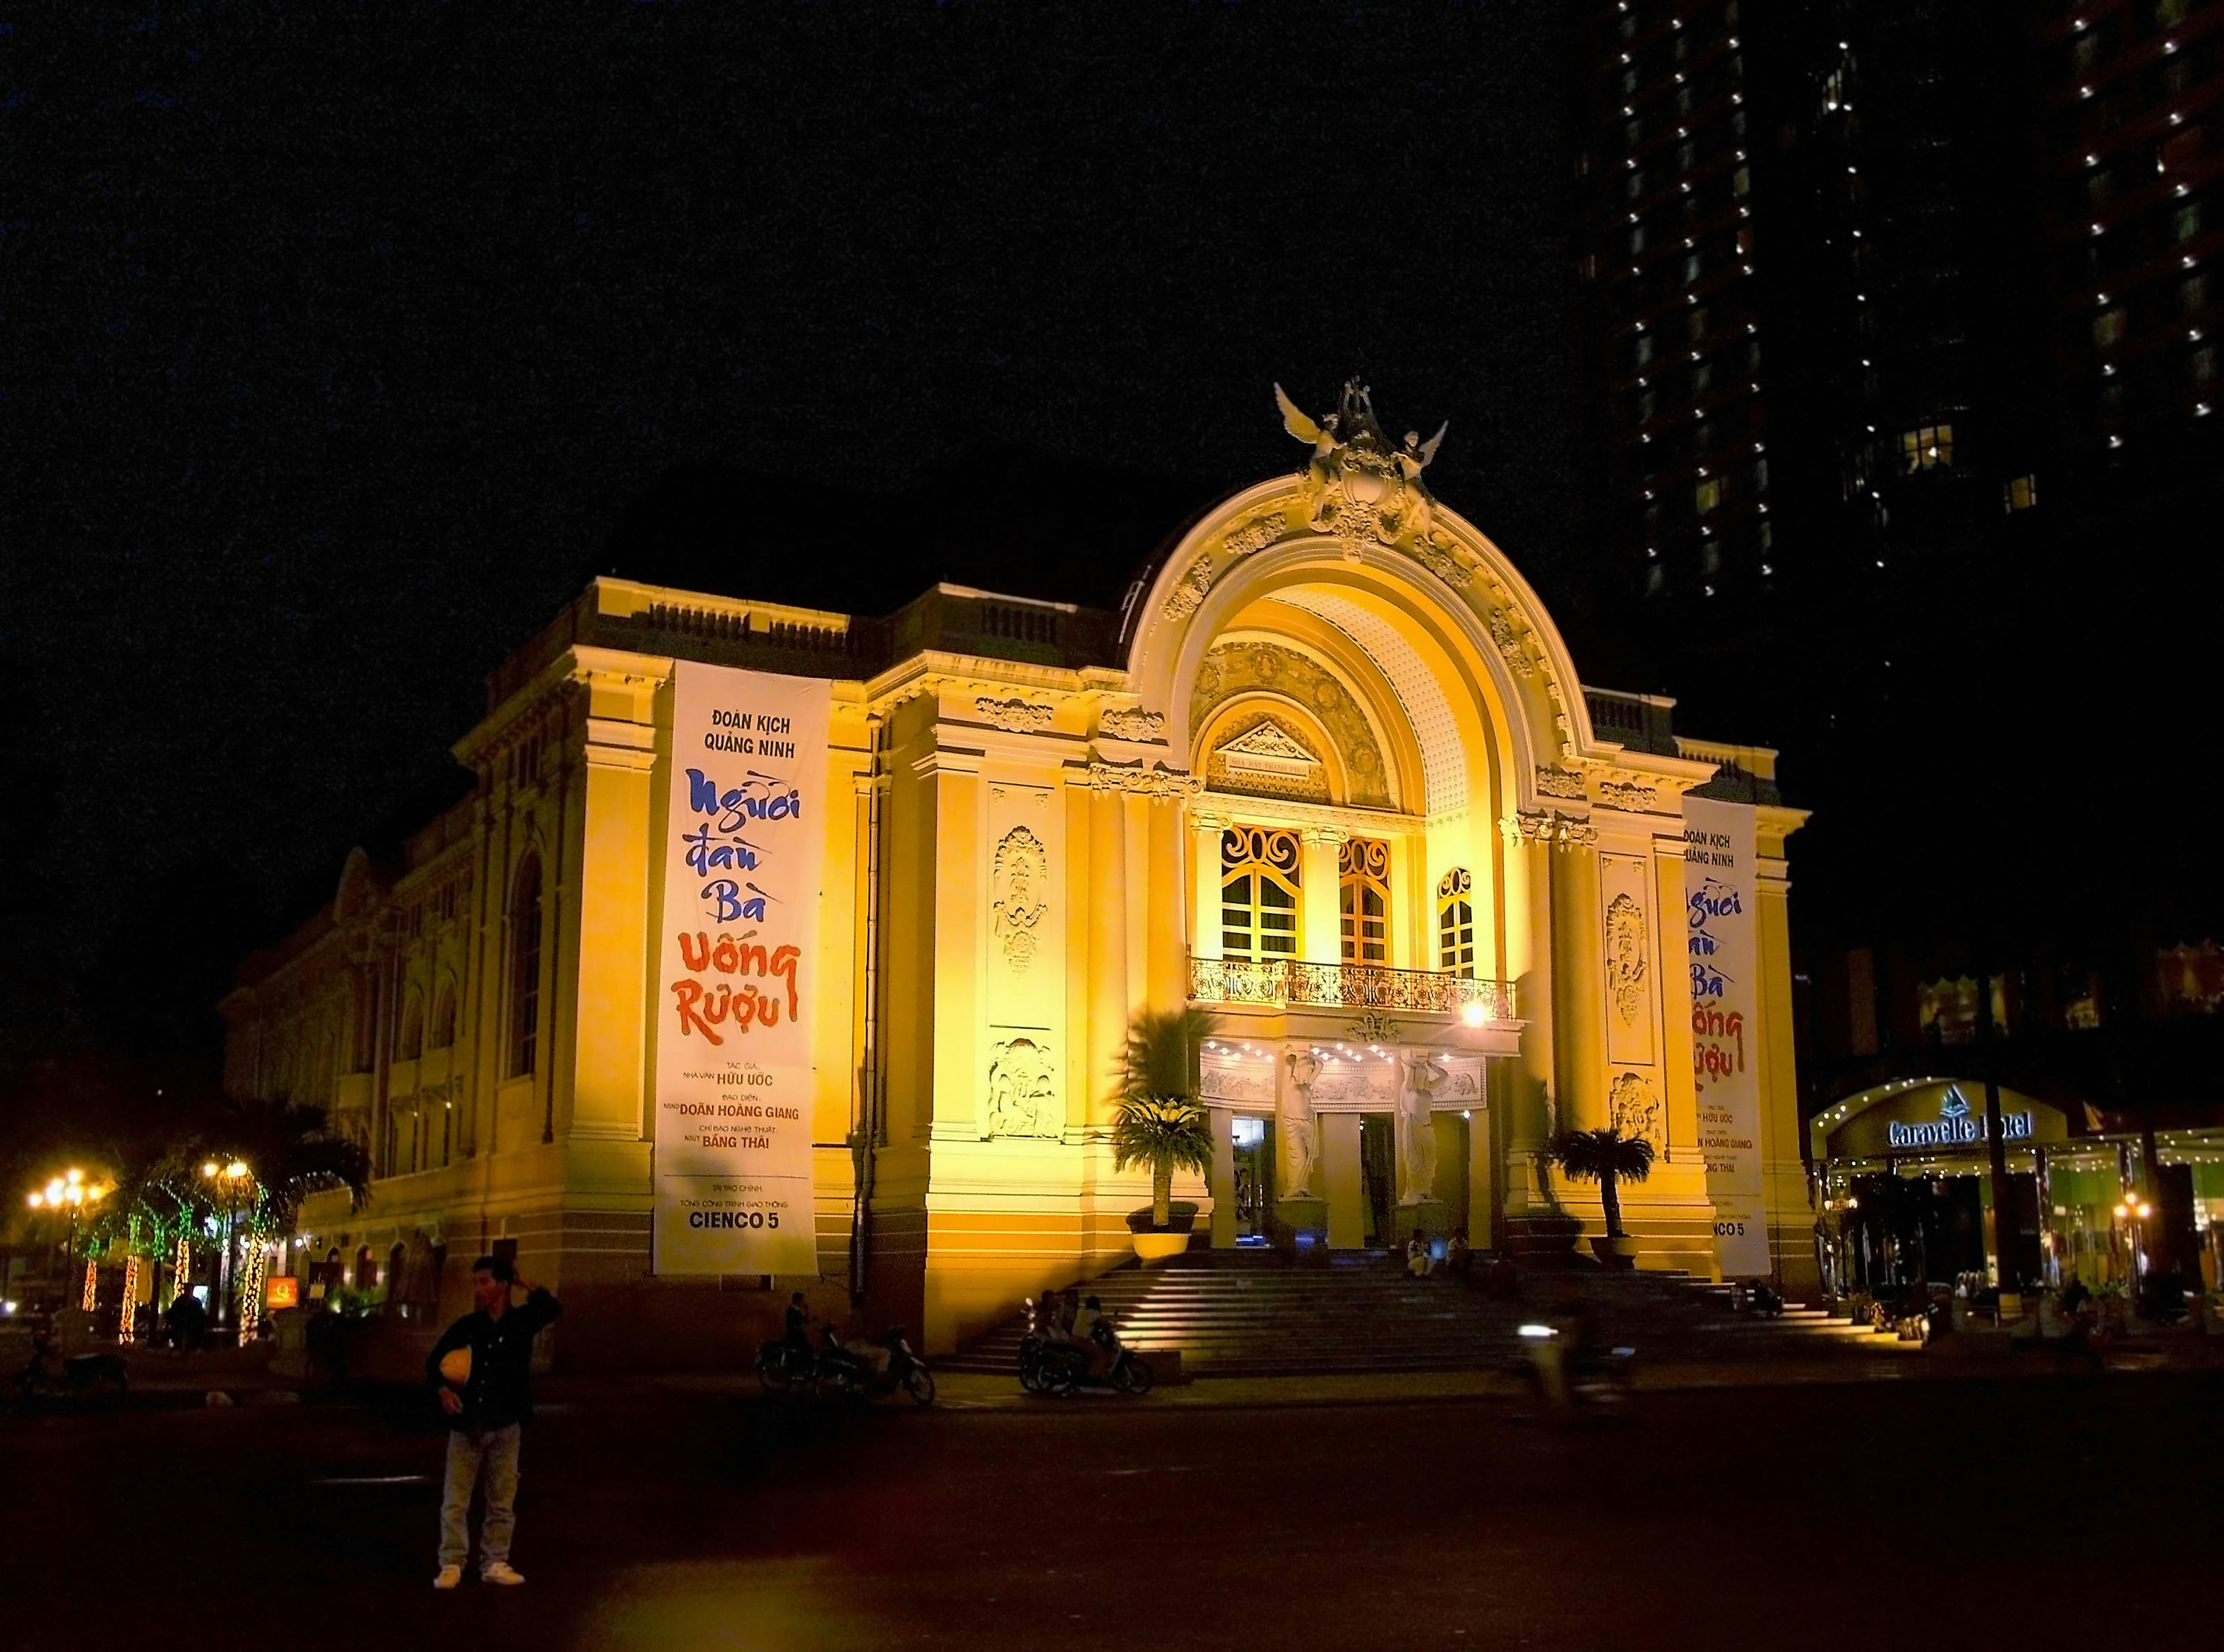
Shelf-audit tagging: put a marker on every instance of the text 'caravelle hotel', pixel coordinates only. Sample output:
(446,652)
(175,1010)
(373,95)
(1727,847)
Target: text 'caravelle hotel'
(1330,775)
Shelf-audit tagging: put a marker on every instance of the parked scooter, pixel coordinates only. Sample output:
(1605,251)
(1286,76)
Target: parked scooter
(782,1365)
(848,1374)
(1058,1365)
(49,1379)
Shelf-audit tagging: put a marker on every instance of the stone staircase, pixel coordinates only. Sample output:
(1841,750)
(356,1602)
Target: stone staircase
(1257,1314)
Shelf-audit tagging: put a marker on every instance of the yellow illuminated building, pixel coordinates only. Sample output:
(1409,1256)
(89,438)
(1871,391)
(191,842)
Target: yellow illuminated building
(1330,775)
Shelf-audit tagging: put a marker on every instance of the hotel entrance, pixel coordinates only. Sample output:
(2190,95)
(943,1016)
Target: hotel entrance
(1910,1197)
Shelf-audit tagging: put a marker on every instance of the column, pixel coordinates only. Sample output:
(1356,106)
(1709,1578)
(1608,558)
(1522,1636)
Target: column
(616,939)
(1529,957)
(1204,830)
(1135,821)
(1318,870)
(1107,946)
(1578,988)
(1347,1212)
(1169,900)
(1484,1229)
(958,903)
(1223,1182)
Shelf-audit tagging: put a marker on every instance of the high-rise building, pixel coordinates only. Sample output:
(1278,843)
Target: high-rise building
(1812,238)
(2133,135)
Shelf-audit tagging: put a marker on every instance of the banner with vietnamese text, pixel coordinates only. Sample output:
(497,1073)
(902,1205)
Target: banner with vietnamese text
(739,965)
(1720,913)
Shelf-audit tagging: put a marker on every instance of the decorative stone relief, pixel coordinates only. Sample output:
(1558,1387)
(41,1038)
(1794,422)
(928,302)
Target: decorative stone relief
(1267,757)
(1019,883)
(1635,1111)
(1642,799)
(1373,1027)
(1134,724)
(1442,558)
(1358,485)
(1257,532)
(1227,1084)
(1013,716)
(1626,957)
(1023,1091)
(1156,781)
(1548,826)
(1182,601)
(1558,782)
(1234,668)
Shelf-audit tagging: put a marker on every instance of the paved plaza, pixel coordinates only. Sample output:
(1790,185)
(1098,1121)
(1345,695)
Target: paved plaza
(1980,1507)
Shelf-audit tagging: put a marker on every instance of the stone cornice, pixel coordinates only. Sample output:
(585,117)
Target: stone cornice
(1289,811)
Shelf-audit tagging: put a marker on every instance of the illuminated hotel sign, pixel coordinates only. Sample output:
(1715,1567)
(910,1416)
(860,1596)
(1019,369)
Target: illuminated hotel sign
(1956,1125)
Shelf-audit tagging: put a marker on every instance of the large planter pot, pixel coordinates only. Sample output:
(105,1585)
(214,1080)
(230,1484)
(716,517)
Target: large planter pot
(1156,1247)
(1619,1250)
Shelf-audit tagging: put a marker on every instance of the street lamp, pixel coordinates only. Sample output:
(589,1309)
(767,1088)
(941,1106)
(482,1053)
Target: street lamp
(2136,1210)
(71,1190)
(233,1175)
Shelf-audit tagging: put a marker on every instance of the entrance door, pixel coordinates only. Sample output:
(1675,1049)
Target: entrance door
(1378,1176)
(1254,1177)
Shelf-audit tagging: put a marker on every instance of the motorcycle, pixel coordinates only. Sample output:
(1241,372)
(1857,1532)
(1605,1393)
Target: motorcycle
(839,1373)
(1049,1365)
(81,1378)
(1568,1379)
(781,1365)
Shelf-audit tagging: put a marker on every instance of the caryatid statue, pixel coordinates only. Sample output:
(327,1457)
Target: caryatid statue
(1422,1075)
(1298,1127)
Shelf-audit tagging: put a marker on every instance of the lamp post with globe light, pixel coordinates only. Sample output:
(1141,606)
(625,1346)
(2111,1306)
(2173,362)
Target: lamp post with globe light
(234,1178)
(2135,1211)
(71,1191)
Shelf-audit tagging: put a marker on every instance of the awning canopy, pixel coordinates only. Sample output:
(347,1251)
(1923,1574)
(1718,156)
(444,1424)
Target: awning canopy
(1930,1116)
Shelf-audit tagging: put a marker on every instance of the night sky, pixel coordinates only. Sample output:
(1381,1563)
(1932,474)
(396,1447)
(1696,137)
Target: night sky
(345,343)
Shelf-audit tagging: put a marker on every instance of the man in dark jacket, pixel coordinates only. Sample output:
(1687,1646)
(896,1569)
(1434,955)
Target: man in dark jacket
(482,1368)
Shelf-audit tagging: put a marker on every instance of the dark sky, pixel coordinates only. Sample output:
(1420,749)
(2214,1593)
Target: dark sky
(345,343)
(343,340)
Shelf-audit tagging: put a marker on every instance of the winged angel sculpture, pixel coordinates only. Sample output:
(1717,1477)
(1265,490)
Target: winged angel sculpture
(1358,486)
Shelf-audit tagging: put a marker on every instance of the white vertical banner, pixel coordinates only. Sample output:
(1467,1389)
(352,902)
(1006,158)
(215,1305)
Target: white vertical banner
(1721,908)
(739,967)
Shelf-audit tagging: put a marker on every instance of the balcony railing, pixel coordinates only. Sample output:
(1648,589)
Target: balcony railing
(1281,982)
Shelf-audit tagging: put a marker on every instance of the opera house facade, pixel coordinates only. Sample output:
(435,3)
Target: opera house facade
(779,948)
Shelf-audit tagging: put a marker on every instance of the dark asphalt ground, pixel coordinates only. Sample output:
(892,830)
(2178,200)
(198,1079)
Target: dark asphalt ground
(2056,1512)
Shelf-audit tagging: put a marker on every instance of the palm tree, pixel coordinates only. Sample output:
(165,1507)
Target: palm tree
(1160,1121)
(1606,1157)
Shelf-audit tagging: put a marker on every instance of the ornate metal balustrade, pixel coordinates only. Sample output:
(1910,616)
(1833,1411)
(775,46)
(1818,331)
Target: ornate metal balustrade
(1284,981)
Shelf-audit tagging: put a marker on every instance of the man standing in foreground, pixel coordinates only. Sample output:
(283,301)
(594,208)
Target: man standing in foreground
(483,1367)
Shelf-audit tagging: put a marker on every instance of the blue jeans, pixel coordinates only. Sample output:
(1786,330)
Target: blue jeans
(492,1456)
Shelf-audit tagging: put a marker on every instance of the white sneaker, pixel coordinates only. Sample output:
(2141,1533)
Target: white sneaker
(449,1577)
(499,1572)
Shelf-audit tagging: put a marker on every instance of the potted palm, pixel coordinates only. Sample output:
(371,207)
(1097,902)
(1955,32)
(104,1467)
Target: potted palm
(1610,1158)
(1158,1120)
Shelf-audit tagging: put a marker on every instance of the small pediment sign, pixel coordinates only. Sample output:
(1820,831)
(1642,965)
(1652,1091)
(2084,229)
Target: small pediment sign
(1266,748)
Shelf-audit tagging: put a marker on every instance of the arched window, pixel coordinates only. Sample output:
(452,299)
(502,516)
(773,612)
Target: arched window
(525,967)
(410,1042)
(1456,923)
(1258,893)
(1363,901)
(442,1033)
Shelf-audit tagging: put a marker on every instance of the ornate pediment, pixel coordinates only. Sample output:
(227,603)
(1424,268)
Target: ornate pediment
(1267,759)
(1270,749)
